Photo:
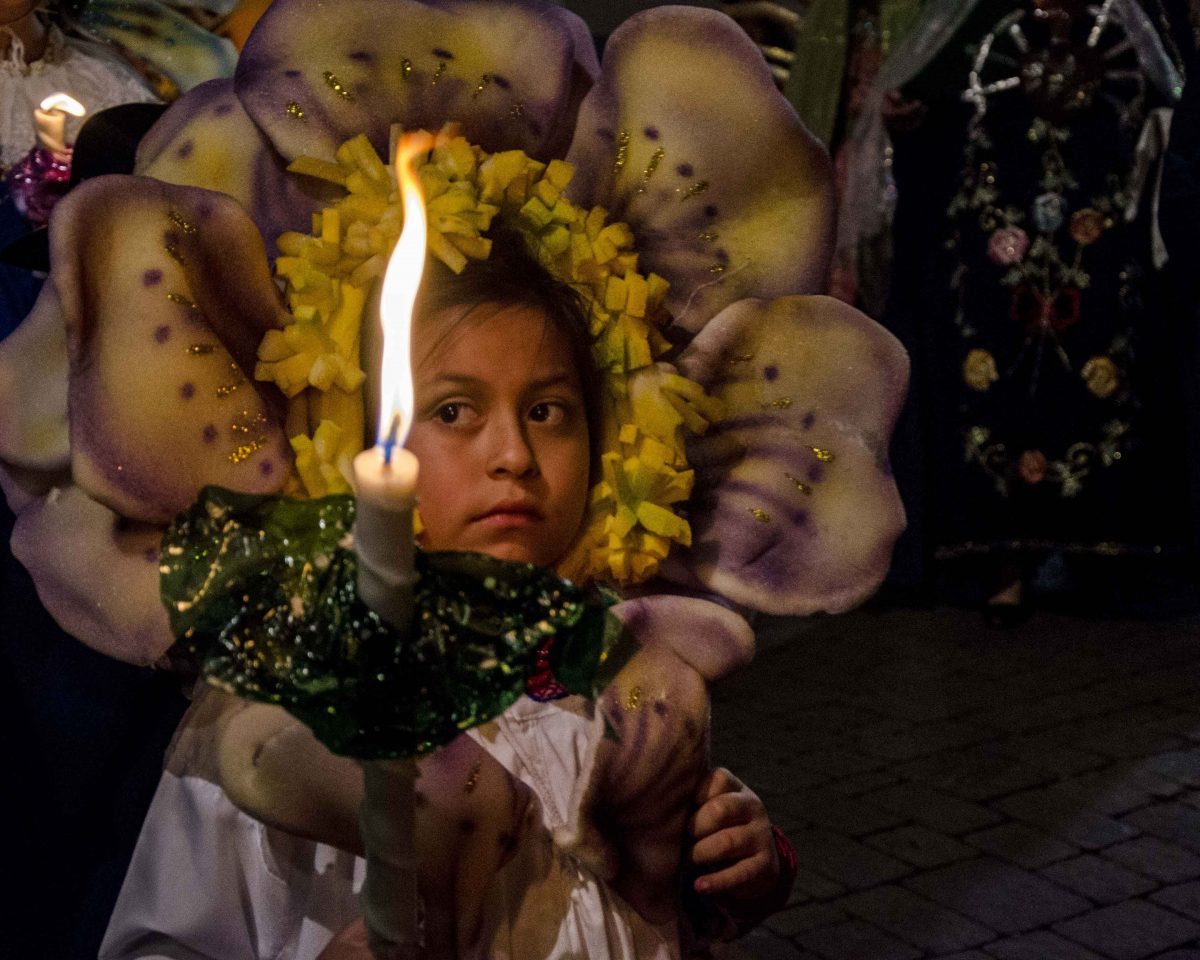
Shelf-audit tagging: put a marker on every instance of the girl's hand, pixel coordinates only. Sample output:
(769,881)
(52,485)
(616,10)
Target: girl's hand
(733,844)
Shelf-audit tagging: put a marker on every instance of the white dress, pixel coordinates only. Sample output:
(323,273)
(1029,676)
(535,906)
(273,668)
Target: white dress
(209,882)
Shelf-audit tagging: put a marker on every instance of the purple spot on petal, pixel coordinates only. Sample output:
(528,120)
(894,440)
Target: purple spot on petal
(442,54)
(205,209)
(185,150)
(210,434)
(171,239)
(223,108)
(771,372)
(362,56)
(291,73)
(710,211)
(816,473)
(799,518)
(266,468)
(809,419)
(151,278)
(685,170)
(187,391)
(162,334)
(151,554)
(605,134)
(722,257)
(651,133)
(535,128)
(500,81)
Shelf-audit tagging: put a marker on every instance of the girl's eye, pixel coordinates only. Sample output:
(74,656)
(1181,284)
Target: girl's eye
(451,412)
(547,412)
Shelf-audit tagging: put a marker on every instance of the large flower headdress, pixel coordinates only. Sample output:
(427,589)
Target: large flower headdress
(673,178)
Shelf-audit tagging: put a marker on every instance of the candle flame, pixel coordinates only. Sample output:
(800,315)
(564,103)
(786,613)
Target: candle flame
(399,294)
(63,102)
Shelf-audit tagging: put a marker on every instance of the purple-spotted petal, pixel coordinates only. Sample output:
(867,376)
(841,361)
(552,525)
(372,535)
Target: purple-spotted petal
(207,140)
(712,640)
(794,509)
(33,389)
(166,293)
(686,138)
(95,573)
(314,75)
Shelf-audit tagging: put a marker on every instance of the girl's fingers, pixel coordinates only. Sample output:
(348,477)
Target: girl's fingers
(723,810)
(718,781)
(734,843)
(735,876)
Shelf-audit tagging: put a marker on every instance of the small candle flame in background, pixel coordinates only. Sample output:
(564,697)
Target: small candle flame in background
(397,298)
(64,102)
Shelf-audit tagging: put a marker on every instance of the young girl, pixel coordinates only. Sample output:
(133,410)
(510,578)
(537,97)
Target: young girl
(537,835)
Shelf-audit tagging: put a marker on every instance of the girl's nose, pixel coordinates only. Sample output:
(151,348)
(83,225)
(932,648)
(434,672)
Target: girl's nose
(512,454)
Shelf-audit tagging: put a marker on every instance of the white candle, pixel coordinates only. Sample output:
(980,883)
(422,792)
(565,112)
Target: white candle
(385,484)
(383,531)
(50,118)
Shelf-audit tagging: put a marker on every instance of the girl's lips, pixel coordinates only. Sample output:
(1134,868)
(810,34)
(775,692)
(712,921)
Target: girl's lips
(510,515)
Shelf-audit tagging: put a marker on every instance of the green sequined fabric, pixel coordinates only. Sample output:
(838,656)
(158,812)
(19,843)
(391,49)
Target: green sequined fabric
(262,592)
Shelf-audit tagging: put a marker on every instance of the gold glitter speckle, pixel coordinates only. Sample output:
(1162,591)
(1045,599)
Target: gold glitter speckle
(800,484)
(336,85)
(698,187)
(406,68)
(295,111)
(716,269)
(825,456)
(517,111)
(633,698)
(622,151)
(472,779)
(181,300)
(741,358)
(200,349)
(760,515)
(781,404)
(180,221)
(484,82)
(438,73)
(707,237)
(655,159)
(244,451)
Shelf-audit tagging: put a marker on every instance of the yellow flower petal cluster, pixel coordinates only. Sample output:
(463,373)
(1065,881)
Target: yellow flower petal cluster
(650,409)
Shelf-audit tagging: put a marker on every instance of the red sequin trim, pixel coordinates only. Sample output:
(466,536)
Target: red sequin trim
(541,685)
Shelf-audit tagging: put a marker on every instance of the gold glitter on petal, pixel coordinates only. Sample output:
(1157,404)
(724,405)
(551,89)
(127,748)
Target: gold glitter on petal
(760,515)
(336,85)
(484,82)
(633,698)
(781,404)
(473,778)
(295,111)
(406,68)
(716,269)
(707,237)
(181,300)
(651,168)
(201,349)
(245,451)
(438,73)
(172,251)
(825,456)
(622,151)
(517,111)
(181,221)
(741,358)
(698,187)
(800,484)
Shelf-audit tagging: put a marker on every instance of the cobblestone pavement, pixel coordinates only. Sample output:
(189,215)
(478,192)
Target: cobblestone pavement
(965,793)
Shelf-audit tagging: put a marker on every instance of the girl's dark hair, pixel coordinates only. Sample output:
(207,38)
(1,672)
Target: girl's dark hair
(511,277)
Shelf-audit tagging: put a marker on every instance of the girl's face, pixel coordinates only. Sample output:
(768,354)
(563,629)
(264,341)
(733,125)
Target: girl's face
(501,435)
